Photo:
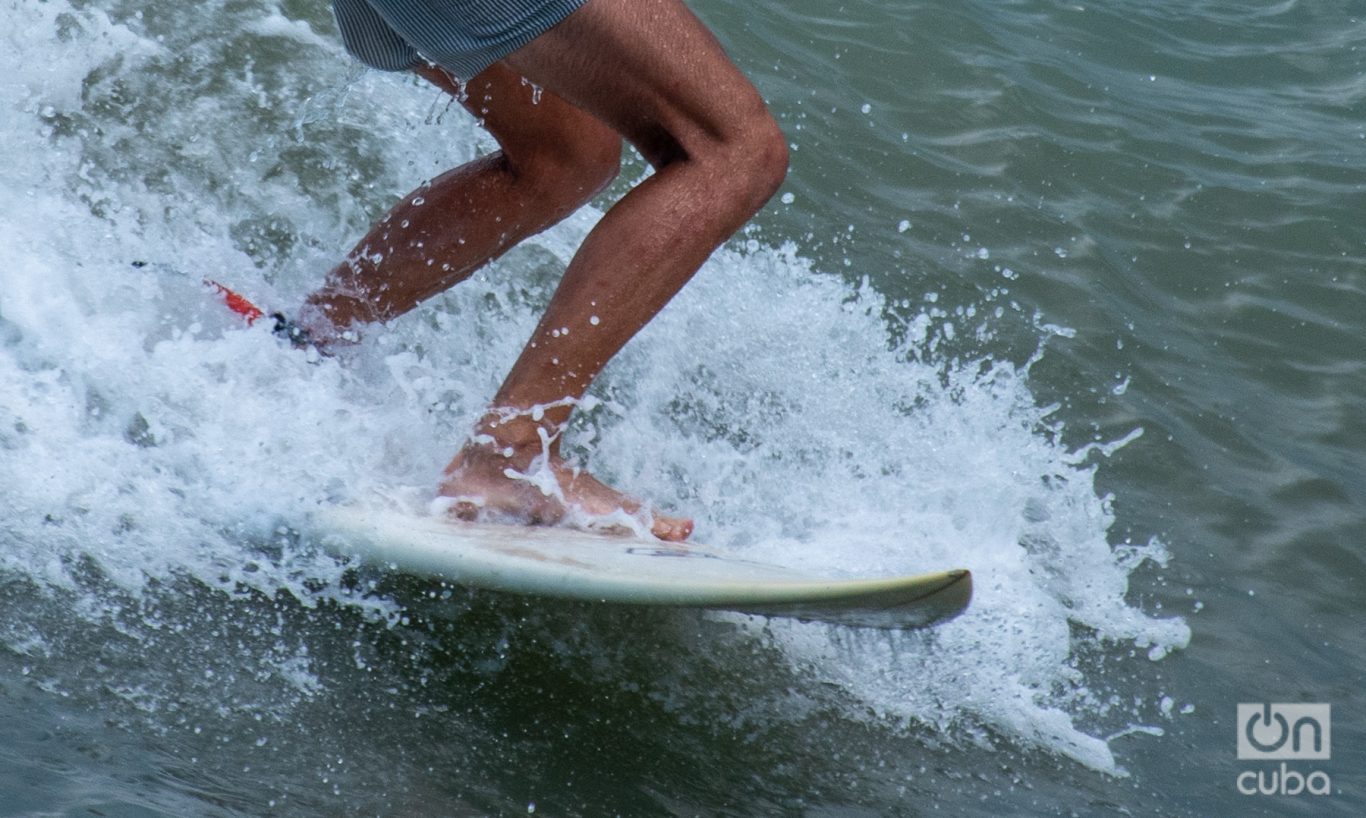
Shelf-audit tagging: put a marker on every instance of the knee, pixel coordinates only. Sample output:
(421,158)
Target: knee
(765,156)
(752,158)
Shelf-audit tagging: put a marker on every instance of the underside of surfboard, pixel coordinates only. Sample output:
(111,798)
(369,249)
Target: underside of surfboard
(570,564)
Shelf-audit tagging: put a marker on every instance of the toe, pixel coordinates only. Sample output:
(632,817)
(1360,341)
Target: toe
(672,529)
(466,510)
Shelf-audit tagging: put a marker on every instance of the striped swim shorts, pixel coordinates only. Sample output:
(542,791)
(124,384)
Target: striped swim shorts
(462,36)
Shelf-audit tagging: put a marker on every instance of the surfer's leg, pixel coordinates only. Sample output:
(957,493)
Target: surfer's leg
(553,157)
(652,71)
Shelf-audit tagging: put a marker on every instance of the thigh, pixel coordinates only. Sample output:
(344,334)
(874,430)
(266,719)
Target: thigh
(524,118)
(649,69)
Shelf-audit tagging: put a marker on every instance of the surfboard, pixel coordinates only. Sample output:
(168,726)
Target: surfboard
(570,564)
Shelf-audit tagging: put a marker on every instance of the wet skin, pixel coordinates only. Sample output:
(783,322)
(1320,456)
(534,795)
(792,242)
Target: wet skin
(646,71)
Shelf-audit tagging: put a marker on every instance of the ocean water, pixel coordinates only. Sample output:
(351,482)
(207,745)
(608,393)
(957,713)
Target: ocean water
(1068,294)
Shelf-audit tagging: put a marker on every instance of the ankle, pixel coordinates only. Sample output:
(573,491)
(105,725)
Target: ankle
(534,428)
(315,323)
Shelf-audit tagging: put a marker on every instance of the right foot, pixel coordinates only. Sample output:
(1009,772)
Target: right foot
(532,483)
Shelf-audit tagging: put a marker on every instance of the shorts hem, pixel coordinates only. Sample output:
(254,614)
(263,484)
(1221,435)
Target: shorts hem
(399,35)
(467,65)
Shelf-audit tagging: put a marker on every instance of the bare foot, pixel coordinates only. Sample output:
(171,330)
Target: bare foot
(532,483)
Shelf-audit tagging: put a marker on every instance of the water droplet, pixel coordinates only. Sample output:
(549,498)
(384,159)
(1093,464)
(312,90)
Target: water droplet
(788,198)
(902,226)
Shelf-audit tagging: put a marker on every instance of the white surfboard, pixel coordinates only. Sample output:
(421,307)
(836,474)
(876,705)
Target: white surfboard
(569,564)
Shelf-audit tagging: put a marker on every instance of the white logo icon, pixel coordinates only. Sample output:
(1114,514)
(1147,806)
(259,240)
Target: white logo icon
(1292,732)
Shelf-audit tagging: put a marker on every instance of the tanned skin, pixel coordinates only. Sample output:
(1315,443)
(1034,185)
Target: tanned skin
(648,72)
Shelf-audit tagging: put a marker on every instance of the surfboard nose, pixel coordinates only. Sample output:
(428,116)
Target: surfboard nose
(931,599)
